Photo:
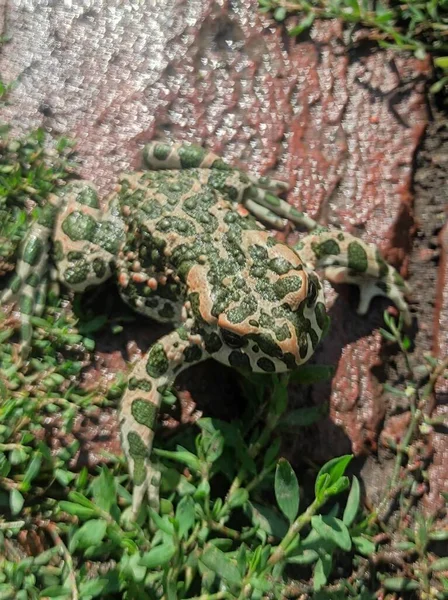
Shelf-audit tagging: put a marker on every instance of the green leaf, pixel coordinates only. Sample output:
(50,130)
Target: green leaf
(304,417)
(181,455)
(306,557)
(311,374)
(55,591)
(93,587)
(330,473)
(280,14)
(76,509)
(441,62)
(271,453)
(158,556)
(363,545)
(287,490)
(267,520)
(238,498)
(353,500)
(16,501)
(161,522)
(220,563)
(104,489)
(213,446)
(322,571)
(400,584)
(438,85)
(387,335)
(89,534)
(32,470)
(332,529)
(302,26)
(441,564)
(185,515)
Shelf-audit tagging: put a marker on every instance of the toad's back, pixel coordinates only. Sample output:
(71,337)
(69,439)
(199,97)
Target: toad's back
(185,241)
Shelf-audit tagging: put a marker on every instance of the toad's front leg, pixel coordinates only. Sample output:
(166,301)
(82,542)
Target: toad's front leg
(151,376)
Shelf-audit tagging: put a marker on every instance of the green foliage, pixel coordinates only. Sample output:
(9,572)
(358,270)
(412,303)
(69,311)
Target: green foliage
(237,521)
(415,26)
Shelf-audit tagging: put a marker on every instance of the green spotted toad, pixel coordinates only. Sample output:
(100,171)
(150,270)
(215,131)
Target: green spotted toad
(185,243)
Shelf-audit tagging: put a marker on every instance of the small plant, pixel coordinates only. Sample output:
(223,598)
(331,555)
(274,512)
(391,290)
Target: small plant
(418,27)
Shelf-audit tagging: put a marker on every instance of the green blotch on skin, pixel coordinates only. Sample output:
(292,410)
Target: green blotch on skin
(182,333)
(78,226)
(239,360)
(15,284)
(26,331)
(151,208)
(303,345)
(272,200)
(26,305)
(75,255)
(33,280)
(267,344)
(266,364)
(221,165)
(212,342)
(296,213)
(281,266)
(34,248)
(77,273)
(192,354)
(321,315)
(47,216)
(139,472)
(383,267)
(282,333)
(195,302)
(287,285)
(258,253)
(88,197)
(313,290)
(357,257)
(398,280)
(141,384)
(137,448)
(99,267)
(181,226)
(232,340)
(240,313)
(144,412)
(161,151)
(289,360)
(157,364)
(167,311)
(58,251)
(327,248)
(191,156)
(314,338)
(108,236)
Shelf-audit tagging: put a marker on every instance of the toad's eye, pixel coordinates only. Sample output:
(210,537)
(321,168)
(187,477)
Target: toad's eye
(232,339)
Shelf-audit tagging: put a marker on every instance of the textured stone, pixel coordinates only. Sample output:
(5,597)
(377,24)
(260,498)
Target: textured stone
(341,127)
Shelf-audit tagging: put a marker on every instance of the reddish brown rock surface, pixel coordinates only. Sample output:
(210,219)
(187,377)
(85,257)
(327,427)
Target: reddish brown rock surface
(341,127)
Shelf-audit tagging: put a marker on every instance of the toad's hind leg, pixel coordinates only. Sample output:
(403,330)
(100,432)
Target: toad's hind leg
(152,374)
(344,258)
(258,194)
(27,287)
